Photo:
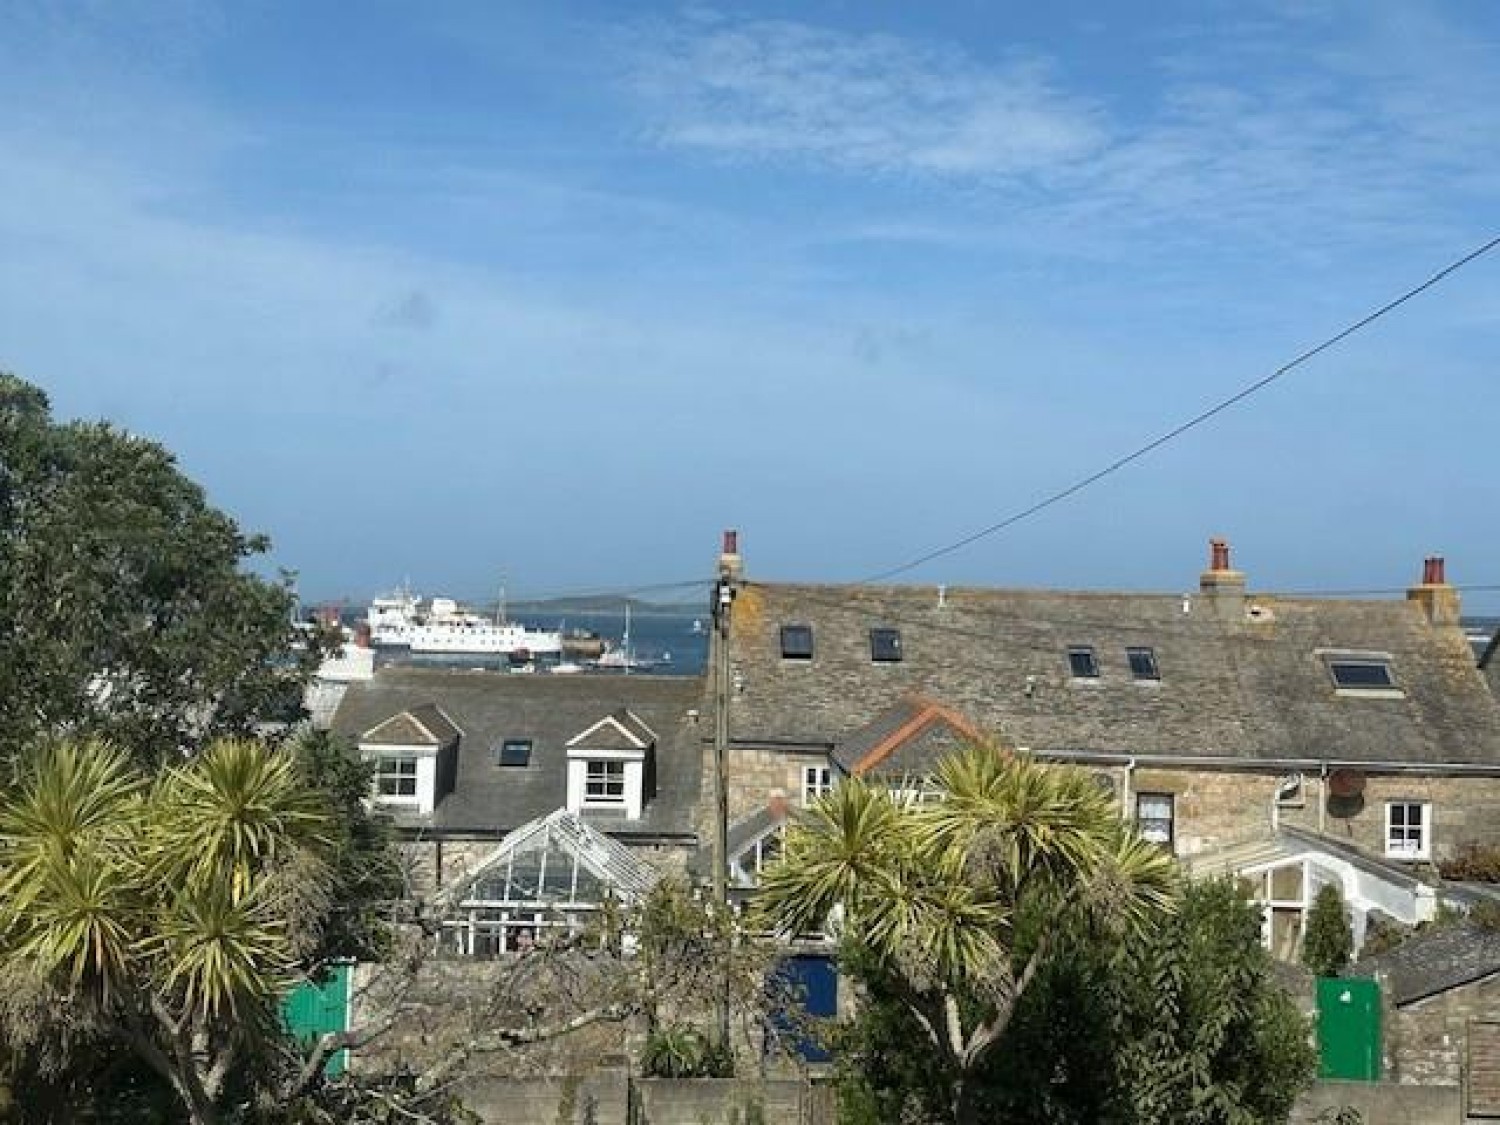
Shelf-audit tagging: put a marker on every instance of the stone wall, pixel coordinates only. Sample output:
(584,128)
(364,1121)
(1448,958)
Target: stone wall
(1381,1103)
(756,773)
(606,1097)
(1217,807)
(1213,807)
(720,1101)
(1424,1043)
(601,1098)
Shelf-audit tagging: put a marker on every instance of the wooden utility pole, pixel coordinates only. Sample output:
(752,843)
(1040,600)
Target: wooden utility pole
(724,591)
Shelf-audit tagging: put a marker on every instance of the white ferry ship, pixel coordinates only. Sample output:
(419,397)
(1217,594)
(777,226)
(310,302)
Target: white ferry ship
(400,620)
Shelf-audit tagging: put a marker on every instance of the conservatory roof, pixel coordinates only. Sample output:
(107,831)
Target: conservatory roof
(555,859)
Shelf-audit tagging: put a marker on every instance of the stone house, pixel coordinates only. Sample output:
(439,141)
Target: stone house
(539,794)
(1219,718)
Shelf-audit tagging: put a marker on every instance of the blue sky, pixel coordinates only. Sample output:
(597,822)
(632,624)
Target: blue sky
(556,292)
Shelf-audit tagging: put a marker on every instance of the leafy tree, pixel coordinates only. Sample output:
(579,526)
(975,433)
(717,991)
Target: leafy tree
(124,604)
(1210,1038)
(158,911)
(1179,1022)
(937,895)
(1329,941)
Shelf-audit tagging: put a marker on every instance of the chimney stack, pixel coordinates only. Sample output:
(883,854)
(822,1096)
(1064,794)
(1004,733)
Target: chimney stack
(1437,599)
(1221,585)
(731,566)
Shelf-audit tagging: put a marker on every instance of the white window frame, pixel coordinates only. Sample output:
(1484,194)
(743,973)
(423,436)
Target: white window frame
(816,781)
(1405,840)
(604,783)
(401,769)
(1170,820)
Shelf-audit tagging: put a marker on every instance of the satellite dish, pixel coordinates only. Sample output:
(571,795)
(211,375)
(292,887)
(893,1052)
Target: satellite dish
(1346,783)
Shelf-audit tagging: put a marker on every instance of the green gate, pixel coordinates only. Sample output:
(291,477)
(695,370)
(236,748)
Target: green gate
(311,1011)
(1349,1029)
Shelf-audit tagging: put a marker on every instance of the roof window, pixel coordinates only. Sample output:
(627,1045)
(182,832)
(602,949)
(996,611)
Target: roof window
(796,642)
(1143,663)
(513,752)
(1361,673)
(1082,663)
(885,645)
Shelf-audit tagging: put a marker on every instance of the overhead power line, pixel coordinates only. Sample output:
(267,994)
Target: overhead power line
(1183,427)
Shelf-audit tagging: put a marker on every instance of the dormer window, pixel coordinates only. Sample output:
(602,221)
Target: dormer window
(611,766)
(885,645)
(1082,663)
(1142,664)
(796,642)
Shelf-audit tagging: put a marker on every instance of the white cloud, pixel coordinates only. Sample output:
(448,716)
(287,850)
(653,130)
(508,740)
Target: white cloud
(873,103)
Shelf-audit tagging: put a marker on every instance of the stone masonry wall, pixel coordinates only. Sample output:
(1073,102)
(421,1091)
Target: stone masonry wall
(1217,807)
(1380,1103)
(1212,807)
(1424,1043)
(754,774)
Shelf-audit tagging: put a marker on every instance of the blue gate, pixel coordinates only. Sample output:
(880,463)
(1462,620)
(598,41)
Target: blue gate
(805,988)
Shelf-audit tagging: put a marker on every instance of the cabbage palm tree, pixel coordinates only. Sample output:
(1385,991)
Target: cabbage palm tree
(933,892)
(157,911)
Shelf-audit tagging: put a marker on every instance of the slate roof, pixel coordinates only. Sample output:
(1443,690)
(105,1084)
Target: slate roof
(1435,960)
(420,726)
(909,737)
(1232,686)
(490,707)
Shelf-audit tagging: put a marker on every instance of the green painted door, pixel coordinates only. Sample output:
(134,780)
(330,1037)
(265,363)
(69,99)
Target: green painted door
(1349,1029)
(311,1011)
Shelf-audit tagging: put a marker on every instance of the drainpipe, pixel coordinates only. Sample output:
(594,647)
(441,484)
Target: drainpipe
(1125,809)
(1323,799)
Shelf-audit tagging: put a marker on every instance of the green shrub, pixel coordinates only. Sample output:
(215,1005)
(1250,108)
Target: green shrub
(1329,941)
(1475,864)
(680,1050)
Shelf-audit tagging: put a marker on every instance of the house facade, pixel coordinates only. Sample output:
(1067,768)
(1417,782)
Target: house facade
(525,801)
(1220,719)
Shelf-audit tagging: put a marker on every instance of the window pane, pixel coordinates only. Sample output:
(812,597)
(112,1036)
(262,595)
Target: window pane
(605,781)
(885,645)
(514,752)
(1082,664)
(1361,673)
(1153,816)
(1142,663)
(797,642)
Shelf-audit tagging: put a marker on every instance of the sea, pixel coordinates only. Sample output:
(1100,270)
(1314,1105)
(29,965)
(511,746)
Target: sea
(666,642)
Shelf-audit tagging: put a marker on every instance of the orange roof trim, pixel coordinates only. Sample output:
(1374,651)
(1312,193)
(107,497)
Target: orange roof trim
(928,713)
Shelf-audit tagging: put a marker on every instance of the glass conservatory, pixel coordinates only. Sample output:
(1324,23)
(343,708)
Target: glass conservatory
(548,877)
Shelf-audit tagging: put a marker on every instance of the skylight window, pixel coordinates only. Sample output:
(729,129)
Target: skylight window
(513,752)
(1083,663)
(1143,663)
(796,642)
(885,645)
(1366,674)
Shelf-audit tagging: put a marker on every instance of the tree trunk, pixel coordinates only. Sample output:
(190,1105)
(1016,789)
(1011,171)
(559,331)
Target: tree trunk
(965,1112)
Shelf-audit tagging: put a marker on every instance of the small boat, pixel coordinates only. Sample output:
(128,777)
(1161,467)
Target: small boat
(623,658)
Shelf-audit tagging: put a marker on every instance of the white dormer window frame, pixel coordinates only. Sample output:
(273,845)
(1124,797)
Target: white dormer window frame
(610,778)
(405,777)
